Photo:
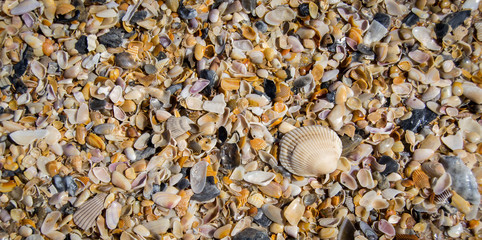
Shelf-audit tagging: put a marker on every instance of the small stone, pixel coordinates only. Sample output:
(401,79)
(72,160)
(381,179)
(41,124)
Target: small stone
(229,155)
(269,88)
(182,184)
(390,165)
(97,104)
(222,134)
(411,19)
(304,10)
(112,39)
(70,185)
(441,29)
(261,26)
(186,13)
(145,153)
(58,183)
(81,45)
(209,192)
(138,16)
(383,19)
(457,18)
(418,120)
(251,234)
(262,219)
(248,5)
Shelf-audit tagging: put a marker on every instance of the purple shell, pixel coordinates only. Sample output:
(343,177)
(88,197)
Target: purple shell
(28,20)
(198,86)
(385,227)
(96,155)
(386,130)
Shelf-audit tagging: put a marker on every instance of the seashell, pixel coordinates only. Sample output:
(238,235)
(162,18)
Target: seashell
(422,154)
(368,198)
(433,169)
(64,8)
(380,203)
(454,142)
(365,178)
(442,184)
(273,189)
(273,213)
(49,224)
(166,200)
(88,212)
(294,211)
(472,92)
(328,233)
(310,151)
(279,15)
(420,179)
(463,180)
(422,34)
(113,214)
(256,200)
(216,105)
(25,7)
(348,181)
(178,125)
(38,69)
(198,176)
(101,174)
(119,180)
(442,197)
(26,137)
(386,228)
(259,177)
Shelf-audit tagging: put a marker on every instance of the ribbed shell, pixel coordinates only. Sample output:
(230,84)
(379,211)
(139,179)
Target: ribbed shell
(86,215)
(310,151)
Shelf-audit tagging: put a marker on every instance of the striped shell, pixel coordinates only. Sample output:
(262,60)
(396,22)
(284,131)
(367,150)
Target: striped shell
(310,151)
(86,214)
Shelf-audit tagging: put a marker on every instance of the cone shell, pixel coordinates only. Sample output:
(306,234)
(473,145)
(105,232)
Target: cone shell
(310,151)
(86,215)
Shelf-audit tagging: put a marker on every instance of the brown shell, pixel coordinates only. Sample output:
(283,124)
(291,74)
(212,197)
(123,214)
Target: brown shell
(86,214)
(420,179)
(310,151)
(406,237)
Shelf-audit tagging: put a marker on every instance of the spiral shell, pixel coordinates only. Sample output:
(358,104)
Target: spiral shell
(310,151)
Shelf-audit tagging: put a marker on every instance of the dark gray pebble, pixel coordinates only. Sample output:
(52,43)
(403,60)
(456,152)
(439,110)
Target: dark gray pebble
(261,219)
(150,69)
(209,192)
(138,16)
(81,45)
(390,165)
(229,155)
(441,29)
(145,153)
(304,10)
(383,19)
(112,39)
(248,5)
(97,104)
(251,234)
(58,183)
(368,231)
(70,185)
(182,184)
(411,19)
(457,18)
(222,134)
(261,26)
(418,120)
(186,13)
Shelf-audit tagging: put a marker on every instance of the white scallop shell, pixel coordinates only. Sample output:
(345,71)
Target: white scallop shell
(86,214)
(310,151)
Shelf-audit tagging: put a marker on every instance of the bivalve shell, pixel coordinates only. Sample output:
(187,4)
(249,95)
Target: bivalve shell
(310,151)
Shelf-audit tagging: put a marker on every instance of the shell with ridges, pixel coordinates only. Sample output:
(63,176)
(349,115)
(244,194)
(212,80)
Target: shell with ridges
(310,151)
(85,216)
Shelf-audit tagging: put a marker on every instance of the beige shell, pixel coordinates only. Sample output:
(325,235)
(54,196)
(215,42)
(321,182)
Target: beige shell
(310,151)
(86,215)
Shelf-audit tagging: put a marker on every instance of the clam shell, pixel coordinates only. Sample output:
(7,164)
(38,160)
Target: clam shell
(178,126)
(442,184)
(86,214)
(259,177)
(421,179)
(310,151)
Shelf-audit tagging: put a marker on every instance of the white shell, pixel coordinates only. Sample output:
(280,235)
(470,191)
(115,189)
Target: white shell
(86,214)
(310,151)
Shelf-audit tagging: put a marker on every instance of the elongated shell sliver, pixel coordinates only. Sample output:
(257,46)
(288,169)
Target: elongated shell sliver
(310,151)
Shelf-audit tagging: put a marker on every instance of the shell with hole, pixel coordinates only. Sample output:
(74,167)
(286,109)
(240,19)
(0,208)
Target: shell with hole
(310,151)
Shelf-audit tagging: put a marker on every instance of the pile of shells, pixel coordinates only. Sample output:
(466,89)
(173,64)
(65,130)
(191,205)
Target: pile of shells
(240,119)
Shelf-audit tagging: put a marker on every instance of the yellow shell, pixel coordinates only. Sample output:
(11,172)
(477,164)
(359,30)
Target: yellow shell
(310,151)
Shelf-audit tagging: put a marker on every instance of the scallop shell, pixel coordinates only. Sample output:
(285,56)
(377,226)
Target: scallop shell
(86,215)
(310,151)
(421,179)
(178,126)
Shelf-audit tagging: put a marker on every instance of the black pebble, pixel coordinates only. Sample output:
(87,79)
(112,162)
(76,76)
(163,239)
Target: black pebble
(262,219)
(145,154)
(156,188)
(230,155)
(261,26)
(70,185)
(182,184)
(208,75)
(222,134)
(58,183)
(251,234)
(7,173)
(161,55)
(390,165)
(81,45)
(209,192)
(138,16)
(418,120)
(383,19)
(96,104)
(270,88)
(330,96)
(112,39)
(456,19)
(441,29)
(411,19)
(67,209)
(186,13)
(248,5)
(304,9)
(185,171)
